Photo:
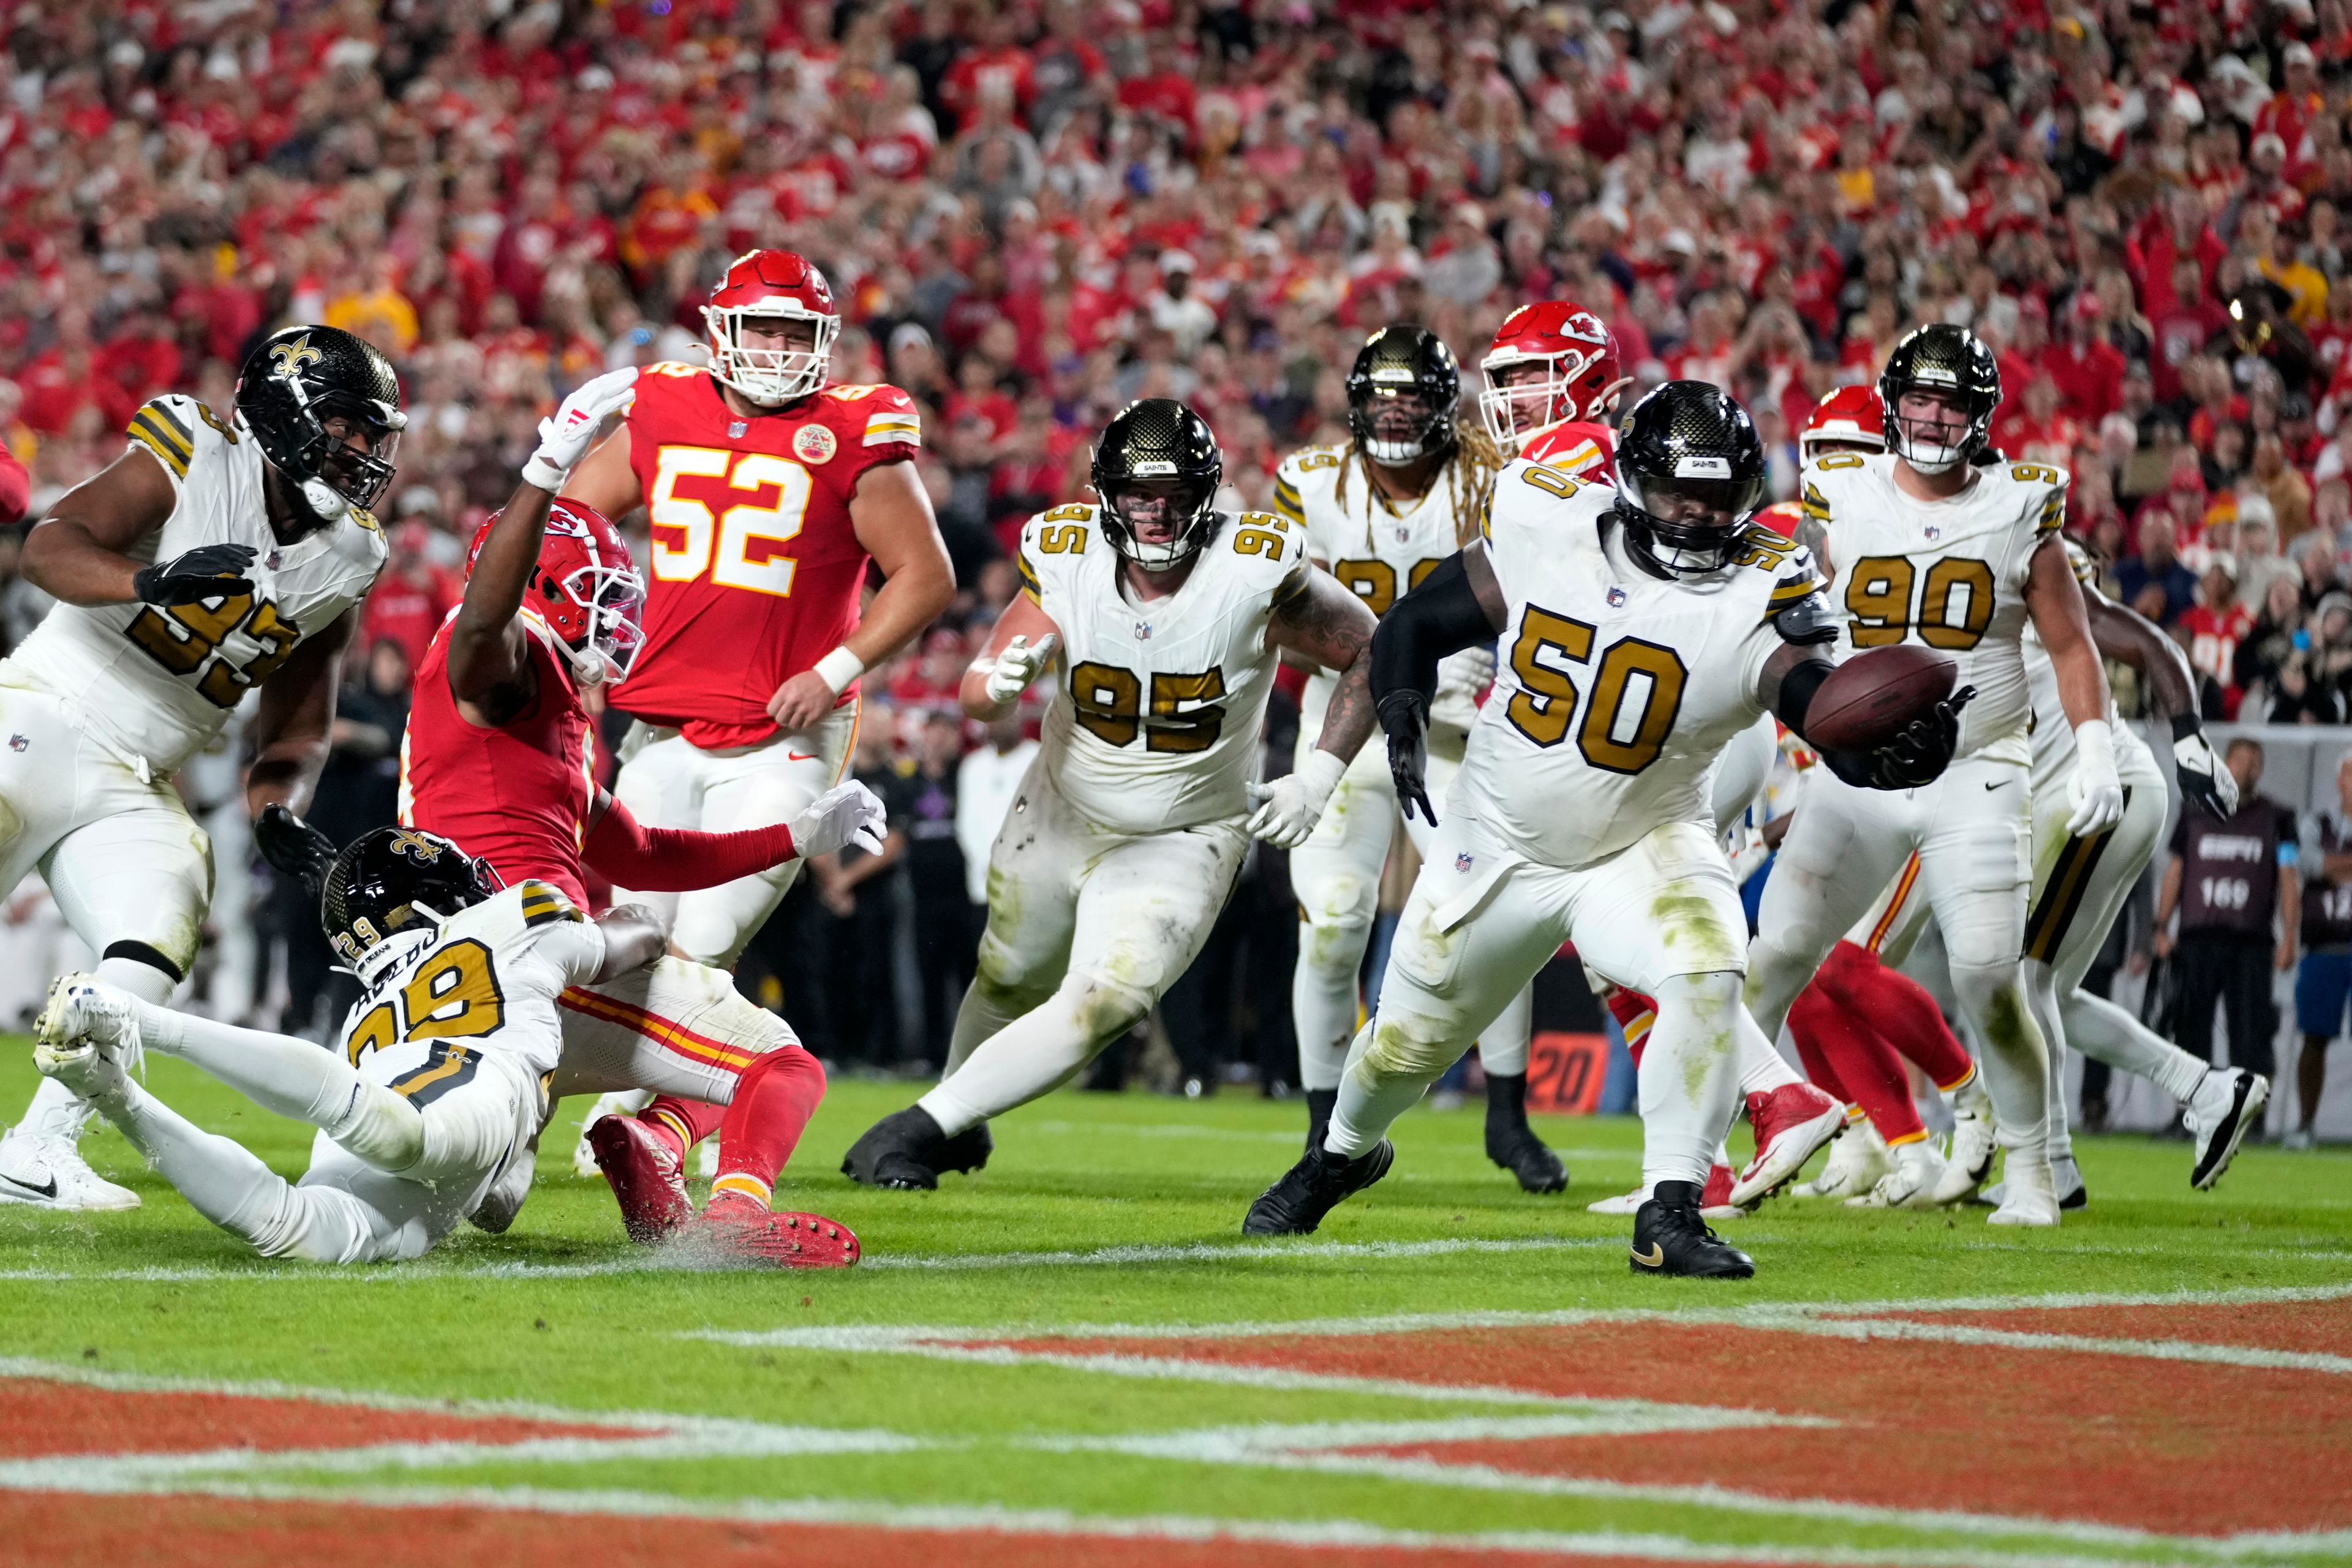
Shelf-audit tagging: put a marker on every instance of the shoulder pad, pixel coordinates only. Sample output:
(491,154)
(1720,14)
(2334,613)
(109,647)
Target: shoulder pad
(1799,607)
(889,417)
(543,903)
(166,427)
(1062,530)
(1267,536)
(677,370)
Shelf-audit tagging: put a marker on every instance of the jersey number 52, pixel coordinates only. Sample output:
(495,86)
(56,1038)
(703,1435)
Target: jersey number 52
(689,539)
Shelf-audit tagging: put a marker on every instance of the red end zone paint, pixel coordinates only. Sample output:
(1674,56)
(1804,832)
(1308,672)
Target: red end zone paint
(2167,1446)
(48,1531)
(41,1419)
(2323,1327)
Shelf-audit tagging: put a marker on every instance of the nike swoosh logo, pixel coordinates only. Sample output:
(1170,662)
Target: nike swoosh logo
(1993,785)
(48,1191)
(799,756)
(1657,1259)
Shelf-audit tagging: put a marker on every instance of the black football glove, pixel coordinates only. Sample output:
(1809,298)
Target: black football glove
(207,572)
(2205,784)
(293,847)
(1916,756)
(1404,716)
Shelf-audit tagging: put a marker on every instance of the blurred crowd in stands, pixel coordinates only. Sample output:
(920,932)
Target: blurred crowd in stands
(1034,213)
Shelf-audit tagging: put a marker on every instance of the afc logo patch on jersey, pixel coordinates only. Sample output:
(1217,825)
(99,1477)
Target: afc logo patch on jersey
(813,445)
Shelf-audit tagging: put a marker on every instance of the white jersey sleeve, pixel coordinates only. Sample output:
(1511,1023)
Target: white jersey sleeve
(1949,575)
(1157,703)
(1380,551)
(157,683)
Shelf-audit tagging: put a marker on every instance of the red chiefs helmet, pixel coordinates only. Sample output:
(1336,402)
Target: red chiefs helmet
(771,286)
(1850,417)
(1578,356)
(585,591)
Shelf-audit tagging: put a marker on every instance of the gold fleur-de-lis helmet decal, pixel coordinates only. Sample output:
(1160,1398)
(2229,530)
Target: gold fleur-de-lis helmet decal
(420,847)
(291,357)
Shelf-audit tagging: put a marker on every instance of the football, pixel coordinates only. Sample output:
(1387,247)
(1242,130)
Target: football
(1868,700)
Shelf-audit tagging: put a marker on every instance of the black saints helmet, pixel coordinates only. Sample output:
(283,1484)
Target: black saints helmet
(1956,363)
(388,880)
(1690,473)
(1157,468)
(1401,394)
(304,394)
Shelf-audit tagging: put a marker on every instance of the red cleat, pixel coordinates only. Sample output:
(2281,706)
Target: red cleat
(1790,1123)
(648,1181)
(734,1228)
(1715,1201)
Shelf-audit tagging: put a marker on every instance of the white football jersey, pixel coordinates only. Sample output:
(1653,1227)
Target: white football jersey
(1949,574)
(485,982)
(1158,705)
(1618,690)
(158,683)
(1379,553)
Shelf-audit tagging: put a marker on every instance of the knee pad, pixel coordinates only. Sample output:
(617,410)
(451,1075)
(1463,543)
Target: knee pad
(1103,1008)
(1339,923)
(384,1130)
(1994,997)
(1405,1044)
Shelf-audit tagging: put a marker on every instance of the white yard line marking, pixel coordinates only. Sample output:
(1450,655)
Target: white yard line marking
(1127,1256)
(1062,1523)
(1763,1314)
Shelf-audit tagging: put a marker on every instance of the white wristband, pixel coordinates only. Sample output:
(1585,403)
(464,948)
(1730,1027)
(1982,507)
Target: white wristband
(539,472)
(838,669)
(2096,743)
(1322,773)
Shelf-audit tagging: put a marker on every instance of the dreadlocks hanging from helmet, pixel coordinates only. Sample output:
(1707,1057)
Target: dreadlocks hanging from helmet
(1403,394)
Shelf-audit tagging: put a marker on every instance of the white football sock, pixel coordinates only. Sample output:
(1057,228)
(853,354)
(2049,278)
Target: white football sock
(221,1179)
(1372,1098)
(1762,1069)
(2106,1033)
(2042,998)
(981,1016)
(296,1078)
(1323,1009)
(1035,1054)
(1502,1046)
(1690,1078)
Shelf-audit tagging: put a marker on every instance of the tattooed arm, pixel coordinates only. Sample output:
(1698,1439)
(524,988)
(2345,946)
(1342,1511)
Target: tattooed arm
(1322,623)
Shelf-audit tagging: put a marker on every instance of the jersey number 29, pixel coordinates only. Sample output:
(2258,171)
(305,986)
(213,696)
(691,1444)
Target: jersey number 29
(454,996)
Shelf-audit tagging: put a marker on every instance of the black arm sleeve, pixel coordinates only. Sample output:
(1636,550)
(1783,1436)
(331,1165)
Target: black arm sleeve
(1443,615)
(1797,688)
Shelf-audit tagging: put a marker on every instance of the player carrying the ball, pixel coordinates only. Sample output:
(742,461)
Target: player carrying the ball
(1646,627)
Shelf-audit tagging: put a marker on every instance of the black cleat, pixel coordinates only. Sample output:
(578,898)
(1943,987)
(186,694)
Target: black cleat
(1513,1144)
(1669,1237)
(967,1150)
(1320,1103)
(905,1150)
(1312,1188)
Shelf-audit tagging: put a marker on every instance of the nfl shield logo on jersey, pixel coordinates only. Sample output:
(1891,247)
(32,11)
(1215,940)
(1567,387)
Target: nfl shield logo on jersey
(735,428)
(1616,598)
(1143,631)
(1462,861)
(814,444)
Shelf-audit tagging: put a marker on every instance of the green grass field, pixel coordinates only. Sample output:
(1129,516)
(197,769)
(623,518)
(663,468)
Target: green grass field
(1467,1372)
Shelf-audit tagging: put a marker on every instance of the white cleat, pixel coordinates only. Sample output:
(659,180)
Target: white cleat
(1624,1204)
(1914,1172)
(2227,1105)
(1857,1159)
(2029,1192)
(1714,1201)
(48,1172)
(1969,1160)
(79,1011)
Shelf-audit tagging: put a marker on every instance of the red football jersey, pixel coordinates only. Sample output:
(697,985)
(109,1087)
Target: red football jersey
(517,795)
(1781,517)
(756,568)
(1576,446)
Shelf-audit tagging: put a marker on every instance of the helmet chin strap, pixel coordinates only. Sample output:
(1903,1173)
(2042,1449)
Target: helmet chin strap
(324,500)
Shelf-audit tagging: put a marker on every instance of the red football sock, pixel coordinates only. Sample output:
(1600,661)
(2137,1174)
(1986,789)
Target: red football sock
(1861,1060)
(684,1121)
(774,1100)
(1900,1010)
(1634,1014)
(1804,1016)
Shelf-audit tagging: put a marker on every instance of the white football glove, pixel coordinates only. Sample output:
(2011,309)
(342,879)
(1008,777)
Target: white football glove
(1461,677)
(1017,666)
(845,815)
(2096,789)
(2204,781)
(1290,807)
(565,434)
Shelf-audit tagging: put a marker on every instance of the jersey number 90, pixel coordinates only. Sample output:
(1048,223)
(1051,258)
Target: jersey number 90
(1545,705)
(1954,603)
